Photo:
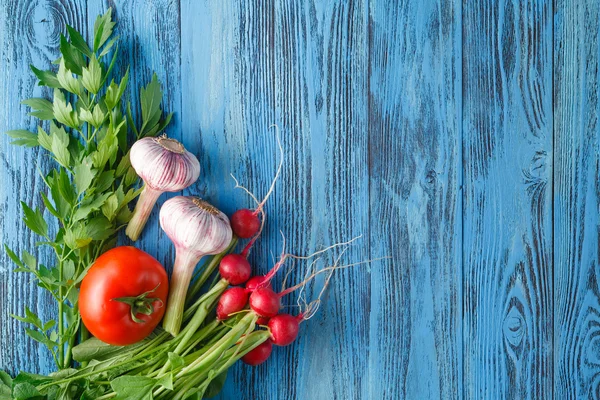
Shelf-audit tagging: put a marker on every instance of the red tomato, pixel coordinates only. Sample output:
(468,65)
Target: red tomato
(123,296)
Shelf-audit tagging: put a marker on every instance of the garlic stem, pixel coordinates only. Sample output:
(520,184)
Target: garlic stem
(142,211)
(185,262)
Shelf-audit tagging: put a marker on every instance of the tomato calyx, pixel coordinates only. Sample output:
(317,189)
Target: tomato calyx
(141,304)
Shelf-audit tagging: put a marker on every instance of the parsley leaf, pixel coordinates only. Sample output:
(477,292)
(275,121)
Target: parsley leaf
(103,28)
(78,41)
(42,108)
(66,79)
(150,98)
(63,111)
(47,78)
(92,76)
(72,57)
(84,175)
(35,220)
(23,138)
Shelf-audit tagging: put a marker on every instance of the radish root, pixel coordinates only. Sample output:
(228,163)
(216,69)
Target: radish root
(260,204)
(284,256)
(332,268)
(311,308)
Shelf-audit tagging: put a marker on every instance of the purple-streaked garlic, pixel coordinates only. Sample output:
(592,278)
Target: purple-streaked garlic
(196,228)
(165,166)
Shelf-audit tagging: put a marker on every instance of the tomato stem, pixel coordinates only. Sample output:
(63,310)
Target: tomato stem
(141,304)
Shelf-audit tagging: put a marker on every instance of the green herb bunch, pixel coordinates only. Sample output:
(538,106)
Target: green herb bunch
(89,191)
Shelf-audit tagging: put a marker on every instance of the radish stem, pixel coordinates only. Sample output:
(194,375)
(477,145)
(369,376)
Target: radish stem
(207,304)
(216,351)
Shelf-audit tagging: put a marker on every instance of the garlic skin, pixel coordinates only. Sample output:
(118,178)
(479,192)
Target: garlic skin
(196,228)
(165,166)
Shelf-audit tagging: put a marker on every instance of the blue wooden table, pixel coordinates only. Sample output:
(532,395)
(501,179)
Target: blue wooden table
(461,139)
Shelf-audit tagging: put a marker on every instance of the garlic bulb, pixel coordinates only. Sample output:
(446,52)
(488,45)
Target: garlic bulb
(196,228)
(165,166)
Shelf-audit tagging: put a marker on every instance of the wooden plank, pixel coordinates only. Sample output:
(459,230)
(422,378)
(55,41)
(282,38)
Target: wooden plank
(507,139)
(576,199)
(149,42)
(29,34)
(303,66)
(415,208)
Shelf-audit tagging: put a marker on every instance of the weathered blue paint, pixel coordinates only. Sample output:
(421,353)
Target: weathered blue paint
(459,138)
(576,200)
(507,203)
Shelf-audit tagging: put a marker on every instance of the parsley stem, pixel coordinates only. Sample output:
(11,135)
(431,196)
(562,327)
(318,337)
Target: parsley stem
(84,334)
(71,341)
(107,396)
(61,327)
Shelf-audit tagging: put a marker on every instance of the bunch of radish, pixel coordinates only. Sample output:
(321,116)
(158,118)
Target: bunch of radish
(257,296)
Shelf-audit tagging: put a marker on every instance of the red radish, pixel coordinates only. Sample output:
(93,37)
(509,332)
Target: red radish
(245,223)
(259,354)
(255,281)
(231,301)
(265,302)
(262,321)
(284,328)
(235,268)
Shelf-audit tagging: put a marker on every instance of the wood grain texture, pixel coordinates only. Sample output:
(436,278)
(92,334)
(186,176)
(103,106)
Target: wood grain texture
(29,34)
(415,208)
(576,200)
(304,68)
(507,139)
(459,138)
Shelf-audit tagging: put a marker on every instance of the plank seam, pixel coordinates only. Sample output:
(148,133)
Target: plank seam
(552,14)
(462,200)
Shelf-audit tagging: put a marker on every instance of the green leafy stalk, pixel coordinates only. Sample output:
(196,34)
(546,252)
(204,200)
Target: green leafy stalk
(87,194)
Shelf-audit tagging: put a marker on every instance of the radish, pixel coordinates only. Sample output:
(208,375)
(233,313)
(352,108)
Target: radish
(262,321)
(255,281)
(231,301)
(259,354)
(265,302)
(284,328)
(235,268)
(246,223)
